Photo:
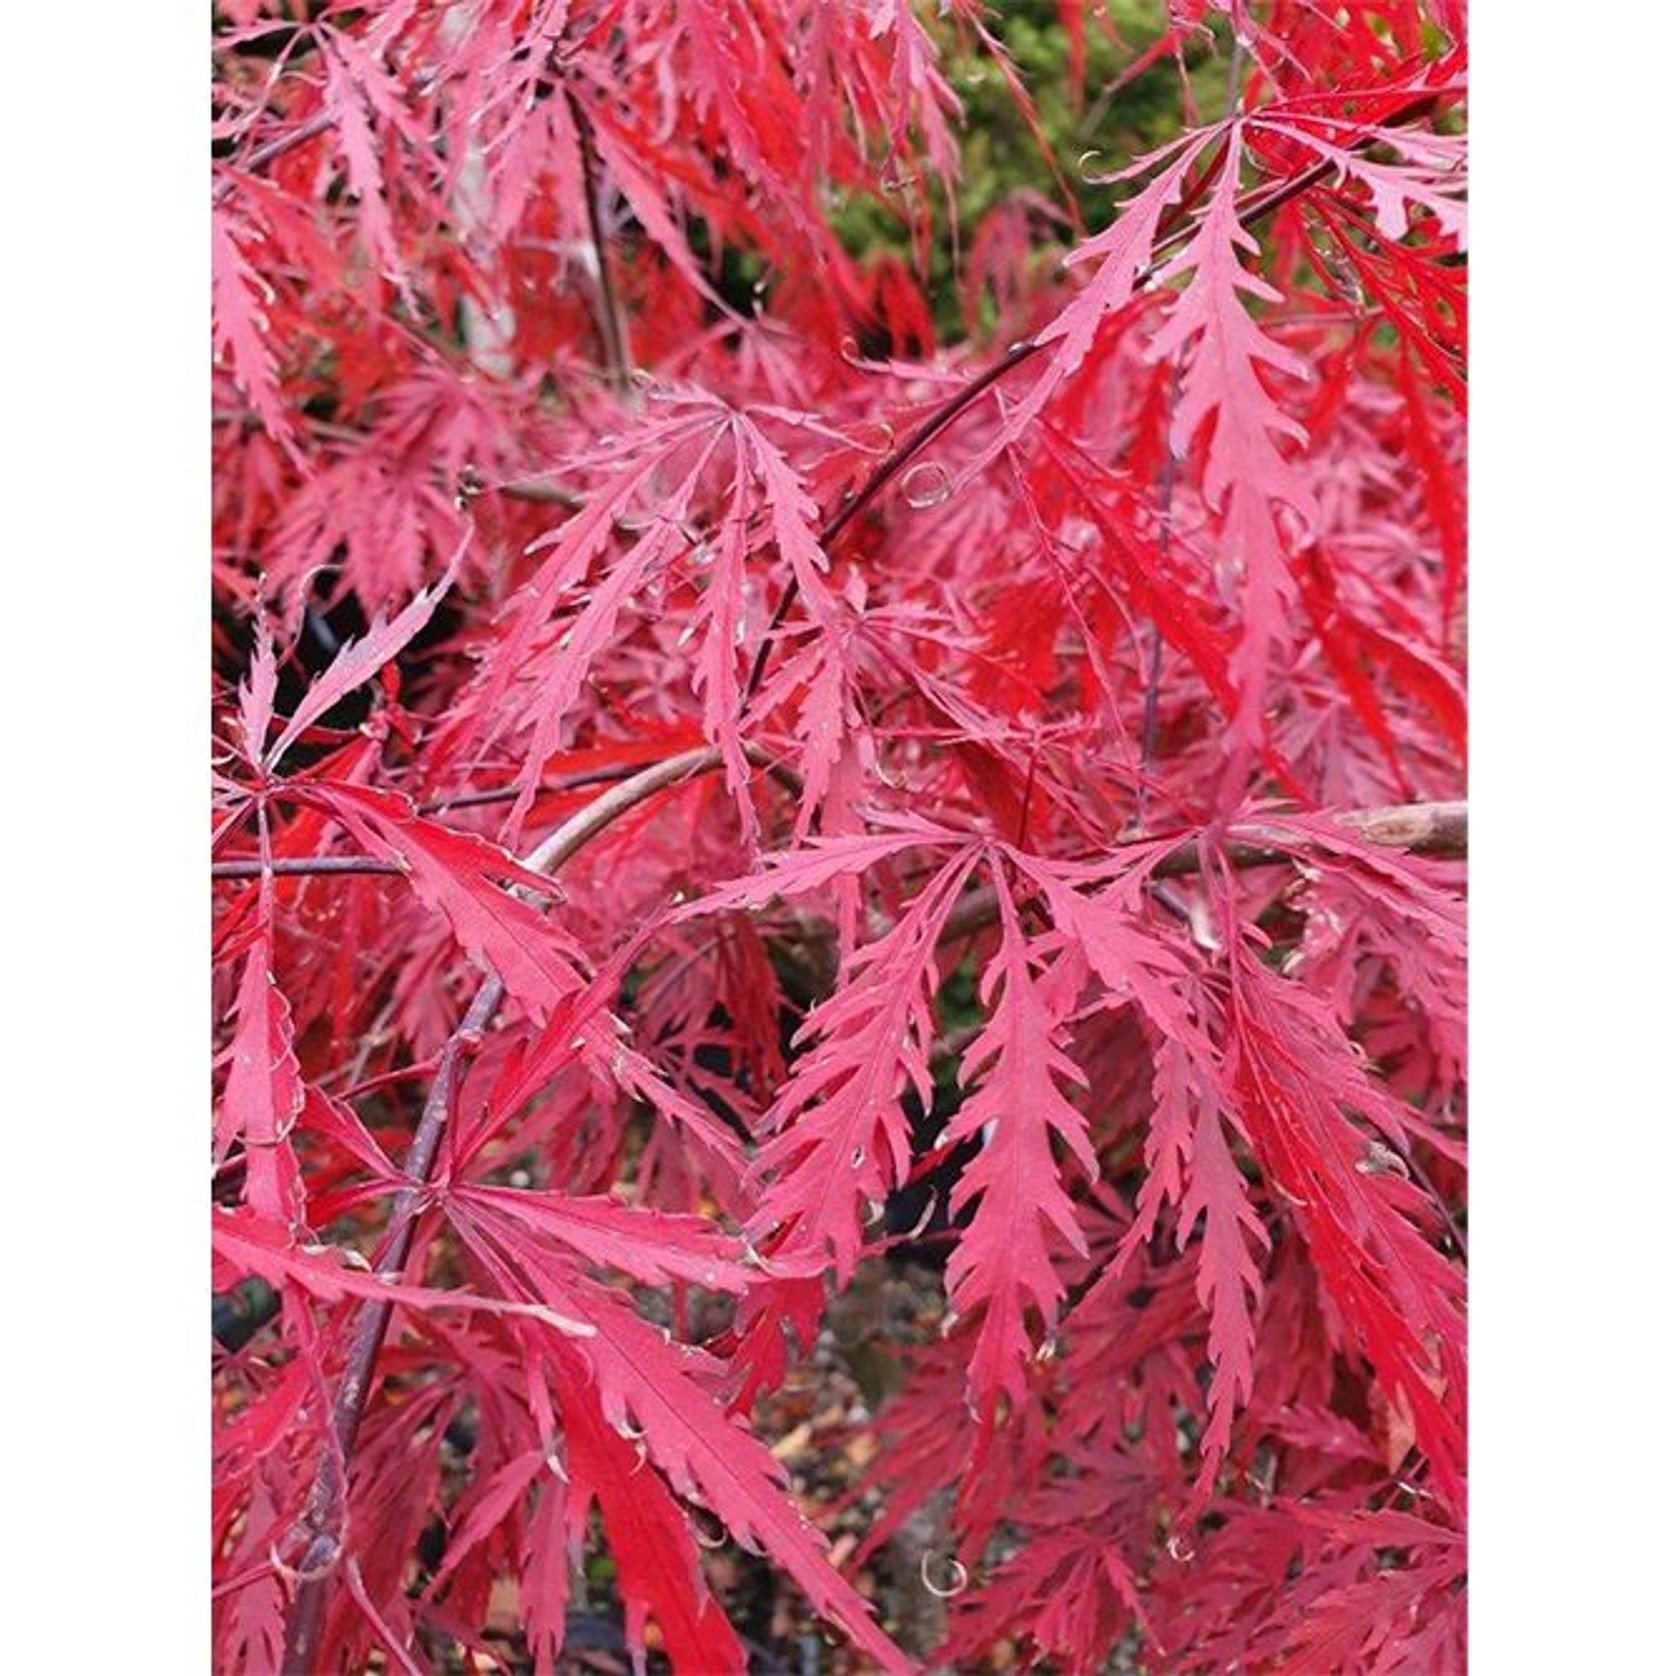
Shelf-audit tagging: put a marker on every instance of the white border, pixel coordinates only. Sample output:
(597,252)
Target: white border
(1573,645)
(103,695)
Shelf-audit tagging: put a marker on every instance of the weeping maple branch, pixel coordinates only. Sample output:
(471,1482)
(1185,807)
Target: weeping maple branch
(635,783)
(270,150)
(1421,828)
(324,1509)
(323,1546)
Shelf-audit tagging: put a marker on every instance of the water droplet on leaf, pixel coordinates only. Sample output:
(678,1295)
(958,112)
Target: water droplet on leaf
(926,484)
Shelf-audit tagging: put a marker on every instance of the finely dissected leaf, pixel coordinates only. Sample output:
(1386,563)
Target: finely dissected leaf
(652,1246)
(464,879)
(1399,1298)
(1227,1272)
(1121,255)
(264,1093)
(1110,927)
(359,661)
(1245,475)
(1430,173)
(1002,1264)
(650,1391)
(657,1559)
(840,1137)
(252,1245)
(237,298)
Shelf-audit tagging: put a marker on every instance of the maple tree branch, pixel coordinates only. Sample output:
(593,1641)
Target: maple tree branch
(927,431)
(613,330)
(323,1548)
(305,866)
(646,779)
(788,777)
(1438,829)
(320,1556)
(1435,829)
(265,153)
(609,806)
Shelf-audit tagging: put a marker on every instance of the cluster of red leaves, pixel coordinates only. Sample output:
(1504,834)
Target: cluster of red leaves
(802,683)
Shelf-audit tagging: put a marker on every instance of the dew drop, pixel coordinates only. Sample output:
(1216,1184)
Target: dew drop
(926,484)
(1178,1548)
(1087,176)
(953,1584)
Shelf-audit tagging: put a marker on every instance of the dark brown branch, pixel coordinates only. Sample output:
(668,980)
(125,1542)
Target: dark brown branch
(613,330)
(323,1548)
(277,147)
(305,866)
(325,1504)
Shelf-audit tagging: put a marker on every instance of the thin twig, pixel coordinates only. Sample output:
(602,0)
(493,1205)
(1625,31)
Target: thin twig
(665,771)
(613,329)
(931,428)
(323,1511)
(265,153)
(307,866)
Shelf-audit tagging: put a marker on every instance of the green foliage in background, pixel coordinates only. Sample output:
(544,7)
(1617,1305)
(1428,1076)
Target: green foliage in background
(1102,132)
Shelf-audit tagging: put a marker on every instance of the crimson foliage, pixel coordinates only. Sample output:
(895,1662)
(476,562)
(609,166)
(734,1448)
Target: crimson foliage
(678,724)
